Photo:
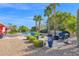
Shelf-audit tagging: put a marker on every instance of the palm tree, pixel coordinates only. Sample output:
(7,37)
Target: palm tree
(53,7)
(48,12)
(77,32)
(13,27)
(36,20)
(39,19)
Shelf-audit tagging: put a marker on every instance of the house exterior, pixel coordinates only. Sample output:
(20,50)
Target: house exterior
(3,29)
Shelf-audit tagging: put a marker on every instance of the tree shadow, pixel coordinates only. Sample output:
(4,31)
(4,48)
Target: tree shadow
(27,42)
(44,51)
(24,39)
(33,50)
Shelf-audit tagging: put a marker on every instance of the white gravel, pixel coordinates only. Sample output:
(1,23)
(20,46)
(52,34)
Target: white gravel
(59,49)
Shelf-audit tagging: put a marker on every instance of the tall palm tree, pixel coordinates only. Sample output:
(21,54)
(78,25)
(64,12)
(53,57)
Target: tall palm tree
(48,12)
(53,7)
(77,32)
(39,19)
(36,21)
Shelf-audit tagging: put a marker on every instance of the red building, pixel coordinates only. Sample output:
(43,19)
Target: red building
(3,29)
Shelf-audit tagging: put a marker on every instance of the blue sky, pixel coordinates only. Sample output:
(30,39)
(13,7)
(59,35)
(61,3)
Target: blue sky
(22,14)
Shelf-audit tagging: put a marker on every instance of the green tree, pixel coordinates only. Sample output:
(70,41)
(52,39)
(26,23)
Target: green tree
(39,20)
(53,7)
(48,12)
(61,17)
(23,29)
(13,29)
(33,28)
(77,30)
(71,24)
(66,16)
(51,22)
(64,21)
(36,21)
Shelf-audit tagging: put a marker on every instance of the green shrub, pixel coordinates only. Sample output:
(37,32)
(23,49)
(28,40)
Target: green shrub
(23,29)
(37,34)
(31,38)
(27,37)
(38,43)
(12,32)
(42,36)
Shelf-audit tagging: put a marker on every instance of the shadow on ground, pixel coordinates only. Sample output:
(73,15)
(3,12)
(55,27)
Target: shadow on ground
(45,51)
(74,51)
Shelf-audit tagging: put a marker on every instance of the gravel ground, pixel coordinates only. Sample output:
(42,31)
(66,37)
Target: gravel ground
(12,46)
(59,49)
(18,46)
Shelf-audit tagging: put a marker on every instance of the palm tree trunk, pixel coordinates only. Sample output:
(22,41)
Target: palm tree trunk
(48,26)
(36,27)
(77,32)
(54,19)
(39,25)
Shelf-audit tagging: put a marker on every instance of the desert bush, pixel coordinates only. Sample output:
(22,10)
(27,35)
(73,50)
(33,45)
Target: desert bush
(38,43)
(37,34)
(27,37)
(42,36)
(31,38)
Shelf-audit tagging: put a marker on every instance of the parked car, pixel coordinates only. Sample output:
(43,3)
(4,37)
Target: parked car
(44,31)
(61,35)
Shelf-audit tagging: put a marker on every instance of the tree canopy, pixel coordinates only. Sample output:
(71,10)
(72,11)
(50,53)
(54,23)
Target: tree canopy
(23,29)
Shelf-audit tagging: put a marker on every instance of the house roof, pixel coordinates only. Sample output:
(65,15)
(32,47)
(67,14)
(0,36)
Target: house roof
(1,23)
(4,25)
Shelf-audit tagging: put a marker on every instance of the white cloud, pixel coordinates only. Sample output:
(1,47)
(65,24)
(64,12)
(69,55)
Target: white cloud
(22,6)
(11,18)
(15,19)
(28,17)
(14,5)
